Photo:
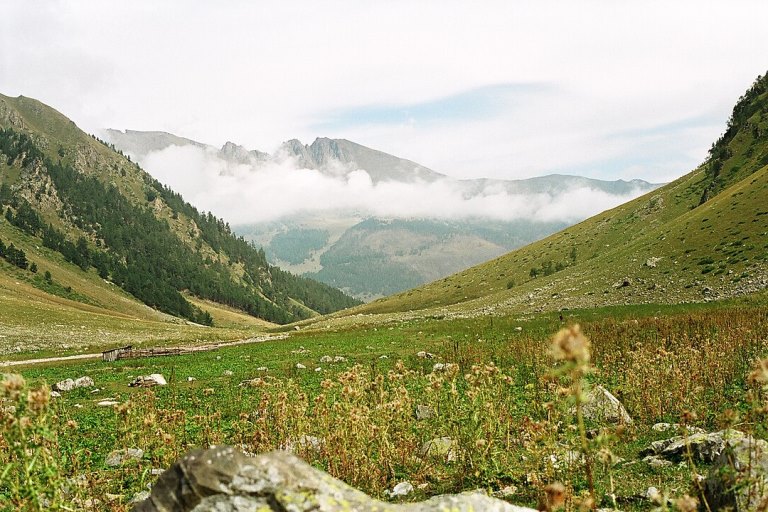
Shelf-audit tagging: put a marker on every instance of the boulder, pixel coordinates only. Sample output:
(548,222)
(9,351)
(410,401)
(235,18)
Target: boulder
(705,446)
(602,406)
(738,480)
(69,384)
(225,480)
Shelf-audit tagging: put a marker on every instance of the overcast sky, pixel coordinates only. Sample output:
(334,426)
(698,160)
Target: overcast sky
(608,89)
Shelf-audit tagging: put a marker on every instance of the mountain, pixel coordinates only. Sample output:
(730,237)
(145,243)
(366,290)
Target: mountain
(88,205)
(370,256)
(699,238)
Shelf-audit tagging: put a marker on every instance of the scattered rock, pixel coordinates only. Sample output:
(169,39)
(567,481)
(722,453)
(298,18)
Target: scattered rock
(262,369)
(440,448)
(191,379)
(401,489)
(506,492)
(675,427)
(55,394)
(738,480)
(318,369)
(228,373)
(656,461)
(104,403)
(424,412)
(326,359)
(312,443)
(224,479)
(623,283)
(652,261)
(69,384)
(438,367)
(384,356)
(145,381)
(140,496)
(339,359)
(602,406)
(120,457)
(425,355)
(300,366)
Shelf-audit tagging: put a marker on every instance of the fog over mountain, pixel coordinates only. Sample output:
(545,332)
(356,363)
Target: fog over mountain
(250,186)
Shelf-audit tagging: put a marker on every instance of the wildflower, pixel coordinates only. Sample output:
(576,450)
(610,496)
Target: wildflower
(570,344)
(687,504)
(11,385)
(760,374)
(38,399)
(554,497)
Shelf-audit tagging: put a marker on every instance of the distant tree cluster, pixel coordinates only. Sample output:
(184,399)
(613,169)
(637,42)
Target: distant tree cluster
(720,152)
(14,256)
(549,267)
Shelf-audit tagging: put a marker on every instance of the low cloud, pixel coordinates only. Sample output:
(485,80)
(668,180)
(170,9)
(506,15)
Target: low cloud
(244,194)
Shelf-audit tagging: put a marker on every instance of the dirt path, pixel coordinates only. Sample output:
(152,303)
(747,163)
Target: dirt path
(97,355)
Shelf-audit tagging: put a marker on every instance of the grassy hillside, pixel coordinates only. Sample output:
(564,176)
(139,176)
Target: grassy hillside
(703,236)
(71,193)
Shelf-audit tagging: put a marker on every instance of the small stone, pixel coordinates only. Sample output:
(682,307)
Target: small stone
(103,403)
(191,379)
(424,412)
(505,492)
(145,381)
(326,359)
(401,489)
(441,448)
(228,373)
(438,367)
(384,356)
(55,394)
(339,359)
(262,369)
(140,496)
(424,355)
(318,369)
(657,462)
(120,457)
(300,366)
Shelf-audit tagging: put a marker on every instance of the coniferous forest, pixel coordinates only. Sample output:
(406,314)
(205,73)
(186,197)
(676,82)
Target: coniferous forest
(138,251)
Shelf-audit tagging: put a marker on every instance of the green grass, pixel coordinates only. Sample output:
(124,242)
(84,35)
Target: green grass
(507,417)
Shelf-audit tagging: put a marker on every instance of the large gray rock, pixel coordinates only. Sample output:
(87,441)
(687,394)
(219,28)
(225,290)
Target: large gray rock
(704,446)
(602,406)
(738,480)
(69,384)
(223,479)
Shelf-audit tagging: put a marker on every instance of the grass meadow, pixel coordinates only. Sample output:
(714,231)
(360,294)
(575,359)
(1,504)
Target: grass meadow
(502,403)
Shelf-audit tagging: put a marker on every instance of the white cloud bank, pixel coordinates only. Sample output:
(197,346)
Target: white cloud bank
(244,194)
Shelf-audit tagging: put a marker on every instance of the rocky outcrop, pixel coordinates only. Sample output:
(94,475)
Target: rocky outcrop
(223,479)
